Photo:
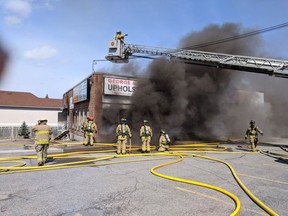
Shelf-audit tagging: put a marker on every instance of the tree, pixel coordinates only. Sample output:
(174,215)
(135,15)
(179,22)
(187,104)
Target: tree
(24,131)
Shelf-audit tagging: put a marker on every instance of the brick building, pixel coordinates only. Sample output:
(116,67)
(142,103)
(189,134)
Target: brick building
(106,97)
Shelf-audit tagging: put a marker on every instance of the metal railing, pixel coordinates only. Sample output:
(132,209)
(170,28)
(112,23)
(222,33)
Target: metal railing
(11,132)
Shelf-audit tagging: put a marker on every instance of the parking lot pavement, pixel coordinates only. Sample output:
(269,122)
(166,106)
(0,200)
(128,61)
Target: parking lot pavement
(130,188)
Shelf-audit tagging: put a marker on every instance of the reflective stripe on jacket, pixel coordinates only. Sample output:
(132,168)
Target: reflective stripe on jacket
(42,132)
(253,131)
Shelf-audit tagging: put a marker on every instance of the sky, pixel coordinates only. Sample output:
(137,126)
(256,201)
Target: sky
(52,43)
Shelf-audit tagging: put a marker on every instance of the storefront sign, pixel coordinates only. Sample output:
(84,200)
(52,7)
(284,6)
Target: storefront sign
(80,92)
(71,105)
(118,86)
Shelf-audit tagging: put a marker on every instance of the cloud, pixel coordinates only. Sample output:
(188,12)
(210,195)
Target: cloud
(12,20)
(44,4)
(40,53)
(17,11)
(19,7)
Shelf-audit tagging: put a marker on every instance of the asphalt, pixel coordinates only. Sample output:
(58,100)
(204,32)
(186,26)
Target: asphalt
(131,189)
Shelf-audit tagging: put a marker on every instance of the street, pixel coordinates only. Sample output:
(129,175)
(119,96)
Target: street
(129,188)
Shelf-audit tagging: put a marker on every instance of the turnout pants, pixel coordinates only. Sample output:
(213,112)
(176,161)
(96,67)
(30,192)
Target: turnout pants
(41,150)
(89,138)
(162,148)
(146,144)
(253,142)
(121,146)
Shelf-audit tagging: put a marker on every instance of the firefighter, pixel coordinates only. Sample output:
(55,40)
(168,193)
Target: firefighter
(145,136)
(252,133)
(42,139)
(120,36)
(90,128)
(122,133)
(164,141)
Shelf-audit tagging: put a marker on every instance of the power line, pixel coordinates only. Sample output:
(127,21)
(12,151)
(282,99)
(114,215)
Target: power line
(236,37)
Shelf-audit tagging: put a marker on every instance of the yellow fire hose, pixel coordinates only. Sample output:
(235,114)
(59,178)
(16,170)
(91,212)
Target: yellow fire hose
(55,165)
(20,164)
(248,192)
(227,193)
(79,164)
(91,159)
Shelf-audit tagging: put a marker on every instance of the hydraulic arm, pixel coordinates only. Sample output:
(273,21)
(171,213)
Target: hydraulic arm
(119,52)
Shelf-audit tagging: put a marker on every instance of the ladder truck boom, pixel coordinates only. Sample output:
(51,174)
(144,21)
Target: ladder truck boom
(119,52)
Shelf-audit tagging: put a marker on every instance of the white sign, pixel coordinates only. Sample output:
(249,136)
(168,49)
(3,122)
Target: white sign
(80,92)
(118,86)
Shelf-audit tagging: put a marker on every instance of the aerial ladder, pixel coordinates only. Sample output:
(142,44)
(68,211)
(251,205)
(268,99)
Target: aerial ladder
(120,52)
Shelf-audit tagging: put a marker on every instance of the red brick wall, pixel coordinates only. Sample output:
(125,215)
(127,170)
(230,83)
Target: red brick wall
(95,102)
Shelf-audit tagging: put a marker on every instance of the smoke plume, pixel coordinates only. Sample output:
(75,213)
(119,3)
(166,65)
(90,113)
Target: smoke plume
(199,102)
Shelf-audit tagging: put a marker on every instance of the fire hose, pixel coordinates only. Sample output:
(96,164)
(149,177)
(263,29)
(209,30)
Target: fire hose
(90,160)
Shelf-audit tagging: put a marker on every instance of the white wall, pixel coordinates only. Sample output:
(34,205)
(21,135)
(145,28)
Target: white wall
(15,117)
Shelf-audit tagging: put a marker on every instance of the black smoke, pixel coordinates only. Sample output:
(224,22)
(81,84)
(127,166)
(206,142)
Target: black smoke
(207,103)
(199,102)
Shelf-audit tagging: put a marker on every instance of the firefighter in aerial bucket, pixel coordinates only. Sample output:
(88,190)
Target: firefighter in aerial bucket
(119,36)
(164,141)
(145,136)
(252,134)
(122,133)
(90,128)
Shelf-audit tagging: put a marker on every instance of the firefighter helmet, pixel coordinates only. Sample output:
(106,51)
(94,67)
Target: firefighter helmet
(123,120)
(145,121)
(43,120)
(252,122)
(162,132)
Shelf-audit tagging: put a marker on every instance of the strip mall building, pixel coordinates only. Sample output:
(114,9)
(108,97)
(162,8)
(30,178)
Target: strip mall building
(104,96)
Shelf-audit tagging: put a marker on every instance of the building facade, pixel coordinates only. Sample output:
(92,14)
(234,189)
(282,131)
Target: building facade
(19,107)
(106,97)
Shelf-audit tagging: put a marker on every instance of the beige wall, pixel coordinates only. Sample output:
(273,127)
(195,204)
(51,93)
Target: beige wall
(15,117)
